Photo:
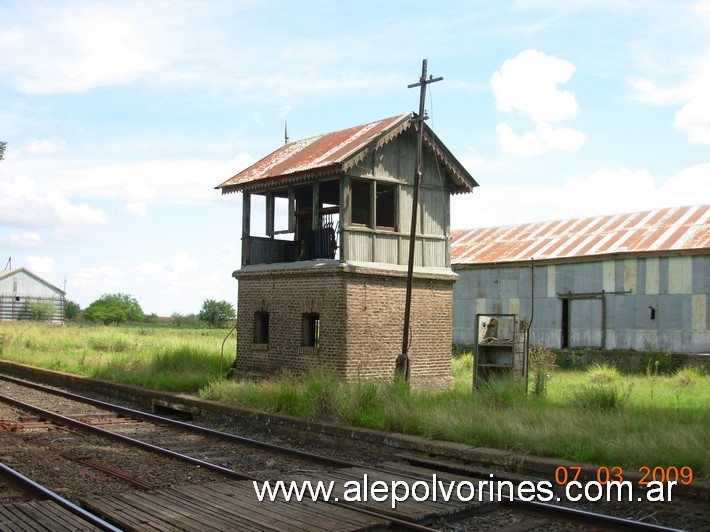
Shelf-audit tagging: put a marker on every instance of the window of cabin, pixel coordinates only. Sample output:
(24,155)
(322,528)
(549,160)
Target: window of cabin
(281,214)
(261,327)
(385,205)
(360,207)
(257,220)
(310,330)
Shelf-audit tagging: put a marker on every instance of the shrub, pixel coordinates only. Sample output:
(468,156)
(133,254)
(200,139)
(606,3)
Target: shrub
(602,397)
(687,377)
(216,313)
(603,374)
(542,362)
(72,311)
(503,391)
(40,310)
(657,362)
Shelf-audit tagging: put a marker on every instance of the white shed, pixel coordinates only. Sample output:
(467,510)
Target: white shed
(20,288)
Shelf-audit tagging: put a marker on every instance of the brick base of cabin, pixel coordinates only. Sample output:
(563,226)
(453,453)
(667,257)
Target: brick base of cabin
(360,315)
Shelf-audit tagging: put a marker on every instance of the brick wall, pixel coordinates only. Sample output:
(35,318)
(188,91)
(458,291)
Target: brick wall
(361,316)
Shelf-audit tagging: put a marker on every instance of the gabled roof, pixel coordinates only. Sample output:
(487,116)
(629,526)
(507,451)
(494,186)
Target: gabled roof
(9,273)
(338,151)
(669,229)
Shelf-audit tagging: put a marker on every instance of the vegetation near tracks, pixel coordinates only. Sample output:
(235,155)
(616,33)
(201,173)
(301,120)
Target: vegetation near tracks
(598,415)
(158,357)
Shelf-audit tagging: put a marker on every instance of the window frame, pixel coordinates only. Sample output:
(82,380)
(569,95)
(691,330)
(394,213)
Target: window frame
(261,329)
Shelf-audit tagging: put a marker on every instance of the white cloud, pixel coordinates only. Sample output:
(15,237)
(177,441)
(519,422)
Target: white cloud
(42,146)
(181,181)
(76,47)
(693,97)
(693,119)
(528,84)
(136,209)
(27,240)
(689,186)
(22,204)
(181,262)
(605,191)
(40,265)
(545,138)
(675,58)
(98,280)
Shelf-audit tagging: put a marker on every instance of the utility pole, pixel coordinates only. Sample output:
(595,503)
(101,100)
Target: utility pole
(402,363)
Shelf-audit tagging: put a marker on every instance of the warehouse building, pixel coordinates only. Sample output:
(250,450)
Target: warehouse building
(627,281)
(20,289)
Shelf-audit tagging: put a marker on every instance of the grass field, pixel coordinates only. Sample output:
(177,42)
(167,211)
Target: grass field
(597,416)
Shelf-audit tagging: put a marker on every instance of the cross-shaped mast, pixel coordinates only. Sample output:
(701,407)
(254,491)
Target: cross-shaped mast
(402,364)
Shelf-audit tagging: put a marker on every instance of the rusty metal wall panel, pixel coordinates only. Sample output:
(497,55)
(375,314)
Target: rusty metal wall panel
(681,321)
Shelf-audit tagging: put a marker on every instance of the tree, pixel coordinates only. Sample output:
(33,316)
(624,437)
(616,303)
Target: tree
(2,149)
(72,311)
(40,310)
(215,313)
(114,308)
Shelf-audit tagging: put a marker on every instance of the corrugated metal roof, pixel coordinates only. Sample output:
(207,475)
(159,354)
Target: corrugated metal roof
(335,152)
(669,229)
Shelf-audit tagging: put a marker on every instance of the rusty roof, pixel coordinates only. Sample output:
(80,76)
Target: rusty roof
(669,229)
(337,151)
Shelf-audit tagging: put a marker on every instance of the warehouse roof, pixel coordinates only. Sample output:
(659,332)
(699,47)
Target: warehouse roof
(669,229)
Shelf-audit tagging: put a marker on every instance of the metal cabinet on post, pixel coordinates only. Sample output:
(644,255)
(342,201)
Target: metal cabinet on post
(500,350)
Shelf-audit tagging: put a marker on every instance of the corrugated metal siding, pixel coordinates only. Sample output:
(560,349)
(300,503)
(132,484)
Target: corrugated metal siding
(676,287)
(669,229)
(20,288)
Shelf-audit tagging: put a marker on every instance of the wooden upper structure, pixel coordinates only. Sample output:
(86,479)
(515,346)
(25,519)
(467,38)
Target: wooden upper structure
(347,195)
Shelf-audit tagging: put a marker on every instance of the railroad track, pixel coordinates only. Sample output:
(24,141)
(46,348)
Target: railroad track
(213,455)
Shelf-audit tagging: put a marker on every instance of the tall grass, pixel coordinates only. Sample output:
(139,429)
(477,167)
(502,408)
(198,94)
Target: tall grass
(635,431)
(167,359)
(658,419)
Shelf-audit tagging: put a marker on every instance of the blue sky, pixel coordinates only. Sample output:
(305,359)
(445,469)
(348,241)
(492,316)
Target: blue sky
(121,117)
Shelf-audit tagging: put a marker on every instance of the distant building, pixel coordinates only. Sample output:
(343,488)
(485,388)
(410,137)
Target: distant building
(627,281)
(325,287)
(19,288)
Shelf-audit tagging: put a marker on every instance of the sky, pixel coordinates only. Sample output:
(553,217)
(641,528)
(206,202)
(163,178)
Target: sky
(121,118)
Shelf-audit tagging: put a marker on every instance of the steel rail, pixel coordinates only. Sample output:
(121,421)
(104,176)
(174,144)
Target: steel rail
(43,491)
(549,510)
(80,425)
(63,420)
(138,414)
(607,522)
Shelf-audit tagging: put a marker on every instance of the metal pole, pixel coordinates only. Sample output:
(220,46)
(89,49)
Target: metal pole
(402,364)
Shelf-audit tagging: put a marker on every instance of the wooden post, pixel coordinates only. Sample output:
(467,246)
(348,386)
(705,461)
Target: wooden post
(402,363)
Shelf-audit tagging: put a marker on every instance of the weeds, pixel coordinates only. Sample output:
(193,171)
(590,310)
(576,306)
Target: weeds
(687,377)
(503,391)
(671,431)
(602,397)
(657,362)
(603,374)
(604,391)
(542,363)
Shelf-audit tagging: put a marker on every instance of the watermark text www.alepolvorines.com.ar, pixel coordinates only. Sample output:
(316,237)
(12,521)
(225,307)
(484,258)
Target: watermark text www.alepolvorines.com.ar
(395,491)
